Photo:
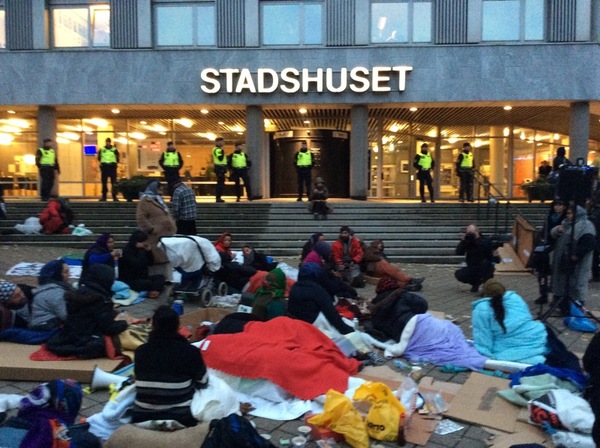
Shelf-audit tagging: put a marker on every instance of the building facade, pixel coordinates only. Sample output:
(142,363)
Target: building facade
(366,82)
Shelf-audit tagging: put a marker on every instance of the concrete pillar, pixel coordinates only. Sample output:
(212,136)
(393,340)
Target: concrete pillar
(46,124)
(579,132)
(257,151)
(497,145)
(359,146)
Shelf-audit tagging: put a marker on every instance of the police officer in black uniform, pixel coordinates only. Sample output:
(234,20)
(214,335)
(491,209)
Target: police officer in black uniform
(303,161)
(108,156)
(171,162)
(424,163)
(239,164)
(464,169)
(47,163)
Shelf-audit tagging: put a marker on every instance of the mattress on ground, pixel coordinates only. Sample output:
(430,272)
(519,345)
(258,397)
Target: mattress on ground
(16,365)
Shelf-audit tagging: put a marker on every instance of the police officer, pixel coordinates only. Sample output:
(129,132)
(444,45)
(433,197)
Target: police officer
(424,163)
(171,162)
(464,169)
(109,158)
(303,161)
(220,167)
(239,163)
(47,164)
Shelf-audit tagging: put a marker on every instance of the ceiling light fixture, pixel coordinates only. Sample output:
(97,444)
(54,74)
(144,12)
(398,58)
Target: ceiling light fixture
(11,112)
(204,111)
(507,107)
(115,111)
(413,109)
(302,110)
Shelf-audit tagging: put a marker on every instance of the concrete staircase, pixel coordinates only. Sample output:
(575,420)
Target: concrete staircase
(412,232)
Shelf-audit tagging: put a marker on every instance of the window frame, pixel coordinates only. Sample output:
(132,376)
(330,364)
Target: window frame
(301,23)
(410,25)
(522,22)
(196,6)
(91,31)
(3,37)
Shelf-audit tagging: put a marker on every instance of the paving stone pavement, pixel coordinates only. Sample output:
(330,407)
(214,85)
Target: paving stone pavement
(441,290)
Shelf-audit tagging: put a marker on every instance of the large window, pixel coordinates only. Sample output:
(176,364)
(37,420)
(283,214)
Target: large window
(401,21)
(185,25)
(513,20)
(2,29)
(85,26)
(292,23)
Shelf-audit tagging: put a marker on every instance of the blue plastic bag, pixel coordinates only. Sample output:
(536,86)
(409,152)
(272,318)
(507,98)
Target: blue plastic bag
(578,322)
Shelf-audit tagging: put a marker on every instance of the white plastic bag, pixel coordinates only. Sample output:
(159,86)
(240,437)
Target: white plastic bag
(81,230)
(218,400)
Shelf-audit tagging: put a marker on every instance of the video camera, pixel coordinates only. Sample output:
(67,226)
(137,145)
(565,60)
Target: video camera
(576,182)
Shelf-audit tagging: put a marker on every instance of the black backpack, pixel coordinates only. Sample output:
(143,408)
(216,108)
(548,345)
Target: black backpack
(234,432)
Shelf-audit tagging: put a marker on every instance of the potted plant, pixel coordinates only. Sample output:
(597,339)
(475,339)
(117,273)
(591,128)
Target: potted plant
(538,190)
(131,188)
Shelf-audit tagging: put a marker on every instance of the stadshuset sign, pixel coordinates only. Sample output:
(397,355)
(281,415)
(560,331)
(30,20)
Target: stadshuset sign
(292,80)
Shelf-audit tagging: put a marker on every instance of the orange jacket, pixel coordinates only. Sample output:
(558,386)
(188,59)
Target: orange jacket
(356,251)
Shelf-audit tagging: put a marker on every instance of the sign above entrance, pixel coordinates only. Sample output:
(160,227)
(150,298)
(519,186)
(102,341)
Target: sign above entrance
(292,80)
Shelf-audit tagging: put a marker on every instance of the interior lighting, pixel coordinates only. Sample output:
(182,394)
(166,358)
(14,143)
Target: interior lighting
(556,137)
(6,139)
(302,110)
(266,122)
(452,140)
(204,111)
(413,109)
(16,122)
(185,122)
(394,127)
(375,149)
(98,122)
(121,140)
(7,128)
(506,132)
(62,140)
(137,135)
(12,112)
(391,147)
(306,121)
(522,136)
(207,135)
(221,123)
(115,111)
(29,159)
(507,107)
(143,122)
(70,135)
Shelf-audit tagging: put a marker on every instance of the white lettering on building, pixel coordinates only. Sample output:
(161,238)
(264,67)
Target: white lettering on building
(292,80)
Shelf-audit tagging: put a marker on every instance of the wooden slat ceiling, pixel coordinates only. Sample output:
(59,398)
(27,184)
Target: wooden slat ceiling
(221,120)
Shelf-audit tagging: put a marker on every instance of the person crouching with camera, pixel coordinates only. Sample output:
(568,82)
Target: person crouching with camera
(481,253)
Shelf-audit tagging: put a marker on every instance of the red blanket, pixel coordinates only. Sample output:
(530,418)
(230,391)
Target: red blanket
(291,353)
(43,354)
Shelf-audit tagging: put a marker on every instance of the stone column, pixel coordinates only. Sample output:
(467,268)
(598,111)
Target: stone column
(359,146)
(257,151)
(46,128)
(497,145)
(579,133)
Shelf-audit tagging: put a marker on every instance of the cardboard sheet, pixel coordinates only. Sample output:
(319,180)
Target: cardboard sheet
(420,427)
(510,261)
(524,433)
(477,402)
(16,365)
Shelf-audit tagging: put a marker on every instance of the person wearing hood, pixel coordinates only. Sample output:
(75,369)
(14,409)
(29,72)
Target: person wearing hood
(308,299)
(318,199)
(572,260)
(310,243)
(12,298)
(269,299)
(154,218)
(49,309)
(57,217)
(90,317)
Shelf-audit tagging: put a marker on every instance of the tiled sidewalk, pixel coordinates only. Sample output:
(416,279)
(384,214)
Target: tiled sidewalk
(441,290)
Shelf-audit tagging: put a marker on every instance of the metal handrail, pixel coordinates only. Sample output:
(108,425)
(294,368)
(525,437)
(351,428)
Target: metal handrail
(494,198)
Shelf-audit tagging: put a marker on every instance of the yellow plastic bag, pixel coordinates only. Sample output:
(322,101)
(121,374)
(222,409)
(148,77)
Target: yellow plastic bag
(386,417)
(340,415)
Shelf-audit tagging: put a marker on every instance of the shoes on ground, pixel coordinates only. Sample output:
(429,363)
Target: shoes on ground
(541,300)
(237,200)
(475,288)
(299,200)
(220,200)
(102,199)
(417,280)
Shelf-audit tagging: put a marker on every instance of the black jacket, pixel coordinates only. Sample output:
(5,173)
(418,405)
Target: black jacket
(391,312)
(134,264)
(90,317)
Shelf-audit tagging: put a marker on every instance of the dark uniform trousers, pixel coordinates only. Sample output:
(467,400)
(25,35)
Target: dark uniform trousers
(108,171)
(47,176)
(236,175)
(304,179)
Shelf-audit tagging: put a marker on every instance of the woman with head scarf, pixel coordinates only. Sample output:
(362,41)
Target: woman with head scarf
(12,298)
(135,263)
(102,251)
(49,310)
(308,246)
(234,274)
(90,317)
(223,245)
(320,253)
(154,218)
(269,300)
